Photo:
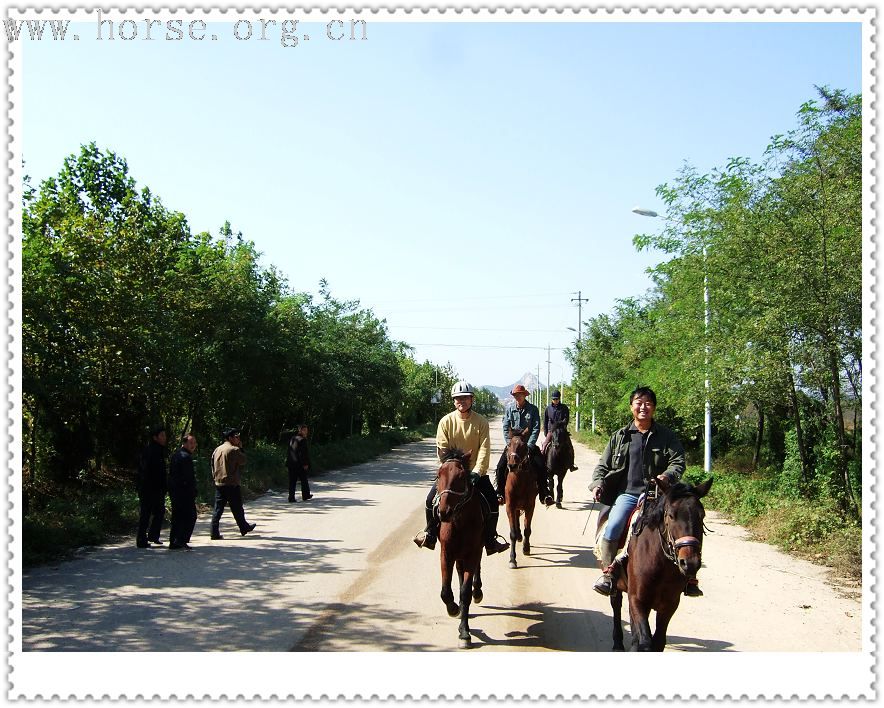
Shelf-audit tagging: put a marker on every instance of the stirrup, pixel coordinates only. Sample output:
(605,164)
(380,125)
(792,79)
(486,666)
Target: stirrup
(492,545)
(604,585)
(425,539)
(692,588)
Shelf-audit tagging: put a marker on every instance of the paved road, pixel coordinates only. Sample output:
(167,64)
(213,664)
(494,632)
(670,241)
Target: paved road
(340,573)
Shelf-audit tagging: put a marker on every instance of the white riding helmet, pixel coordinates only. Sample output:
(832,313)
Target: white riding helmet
(461,388)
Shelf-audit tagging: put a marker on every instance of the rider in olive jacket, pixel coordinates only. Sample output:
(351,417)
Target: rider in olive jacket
(663,455)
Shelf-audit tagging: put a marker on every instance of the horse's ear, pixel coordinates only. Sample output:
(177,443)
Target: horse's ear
(664,482)
(525,434)
(703,488)
(466,458)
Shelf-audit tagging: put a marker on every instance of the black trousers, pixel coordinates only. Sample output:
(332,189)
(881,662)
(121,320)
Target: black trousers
(298,473)
(183,517)
(229,495)
(152,511)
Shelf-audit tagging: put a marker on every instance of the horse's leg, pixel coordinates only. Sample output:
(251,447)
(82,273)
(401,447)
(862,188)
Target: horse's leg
(559,493)
(447,595)
(466,594)
(515,532)
(664,614)
(477,582)
(639,620)
(616,609)
(529,514)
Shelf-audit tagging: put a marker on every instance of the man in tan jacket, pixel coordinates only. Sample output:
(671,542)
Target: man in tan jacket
(227,461)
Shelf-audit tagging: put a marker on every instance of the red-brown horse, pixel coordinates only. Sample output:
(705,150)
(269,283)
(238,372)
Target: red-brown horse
(460,535)
(521,491)
(662,557)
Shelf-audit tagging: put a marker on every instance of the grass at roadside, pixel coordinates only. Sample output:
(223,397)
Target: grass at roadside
(813,530)
(60,520)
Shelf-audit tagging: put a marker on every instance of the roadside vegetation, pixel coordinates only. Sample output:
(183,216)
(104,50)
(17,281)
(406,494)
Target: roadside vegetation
(129,319)
(777,244)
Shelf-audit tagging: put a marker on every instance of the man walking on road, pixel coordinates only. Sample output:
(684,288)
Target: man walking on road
(151,484)
(182,492)
(298,463)
(227,461)
(466,430)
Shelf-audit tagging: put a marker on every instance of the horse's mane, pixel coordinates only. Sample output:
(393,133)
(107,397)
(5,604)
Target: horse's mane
(453,454)
(653,516)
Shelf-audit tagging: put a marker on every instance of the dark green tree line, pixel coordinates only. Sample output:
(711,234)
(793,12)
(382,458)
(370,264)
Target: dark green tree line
(778,243)
(129,319)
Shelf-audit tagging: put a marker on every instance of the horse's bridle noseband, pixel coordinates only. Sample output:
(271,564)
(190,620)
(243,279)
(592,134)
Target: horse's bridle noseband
(467,494)
(670,547)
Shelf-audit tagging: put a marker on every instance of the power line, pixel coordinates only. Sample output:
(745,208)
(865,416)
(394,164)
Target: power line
(470,329)
(482,346)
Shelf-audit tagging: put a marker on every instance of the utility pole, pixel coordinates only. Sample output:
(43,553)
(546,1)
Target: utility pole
(547,372)
(580,300)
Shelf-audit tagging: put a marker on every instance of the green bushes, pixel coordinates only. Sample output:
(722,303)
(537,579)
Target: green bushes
(769,505)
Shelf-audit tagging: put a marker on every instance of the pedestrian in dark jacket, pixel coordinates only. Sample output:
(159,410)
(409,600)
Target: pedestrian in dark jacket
(182,492)
(151,483)
(298,464)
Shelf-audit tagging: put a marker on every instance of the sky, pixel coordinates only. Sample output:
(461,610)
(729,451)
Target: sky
(462,180)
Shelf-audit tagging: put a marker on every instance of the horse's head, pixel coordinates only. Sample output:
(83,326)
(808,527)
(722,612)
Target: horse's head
(681,525)
(517,448)
(453,482)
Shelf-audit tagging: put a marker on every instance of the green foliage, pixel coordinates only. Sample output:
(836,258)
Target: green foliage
(129,320)
(777,245)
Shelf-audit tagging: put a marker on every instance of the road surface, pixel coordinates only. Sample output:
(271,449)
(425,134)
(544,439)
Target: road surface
(340,573)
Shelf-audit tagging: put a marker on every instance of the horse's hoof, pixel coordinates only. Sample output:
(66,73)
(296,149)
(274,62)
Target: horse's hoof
(466,643)
(527,550)
(453,610)
(478,596)
(558,505)
(513,564)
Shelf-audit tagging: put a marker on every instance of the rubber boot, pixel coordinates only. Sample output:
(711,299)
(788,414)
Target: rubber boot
(427,537)
(607,552)
(492,545)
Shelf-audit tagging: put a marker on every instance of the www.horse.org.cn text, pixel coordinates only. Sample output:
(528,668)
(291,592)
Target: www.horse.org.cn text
(286,32)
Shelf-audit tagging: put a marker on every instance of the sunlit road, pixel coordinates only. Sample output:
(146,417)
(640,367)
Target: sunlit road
(340,573)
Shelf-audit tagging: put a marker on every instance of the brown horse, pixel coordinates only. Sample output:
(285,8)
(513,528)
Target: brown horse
(664,554)
(460,533)
(521,491)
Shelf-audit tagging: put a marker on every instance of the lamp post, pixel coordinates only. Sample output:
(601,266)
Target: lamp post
(707,422)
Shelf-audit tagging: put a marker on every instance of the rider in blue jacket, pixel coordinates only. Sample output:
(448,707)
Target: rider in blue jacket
(521,416)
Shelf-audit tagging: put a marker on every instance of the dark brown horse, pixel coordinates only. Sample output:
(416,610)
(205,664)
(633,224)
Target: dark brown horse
(557,460)
(521,491)
(662,557)
(460,534)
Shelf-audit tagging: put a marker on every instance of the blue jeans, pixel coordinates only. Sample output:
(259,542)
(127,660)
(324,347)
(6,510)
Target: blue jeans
(619,516)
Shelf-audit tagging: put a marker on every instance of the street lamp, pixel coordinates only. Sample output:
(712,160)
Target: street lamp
(707,422)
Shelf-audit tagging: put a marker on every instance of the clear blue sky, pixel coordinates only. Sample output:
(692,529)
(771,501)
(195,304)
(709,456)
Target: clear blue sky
(463,181)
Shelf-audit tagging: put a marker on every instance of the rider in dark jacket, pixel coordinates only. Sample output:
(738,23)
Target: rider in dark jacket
(635,454)
(558,416)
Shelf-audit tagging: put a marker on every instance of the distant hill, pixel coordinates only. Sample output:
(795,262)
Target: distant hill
(529,381)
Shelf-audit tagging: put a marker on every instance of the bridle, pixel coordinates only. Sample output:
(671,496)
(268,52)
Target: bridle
(670,547)
(466,495)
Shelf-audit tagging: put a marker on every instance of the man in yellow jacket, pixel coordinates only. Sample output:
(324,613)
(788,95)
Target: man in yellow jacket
(467,430)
